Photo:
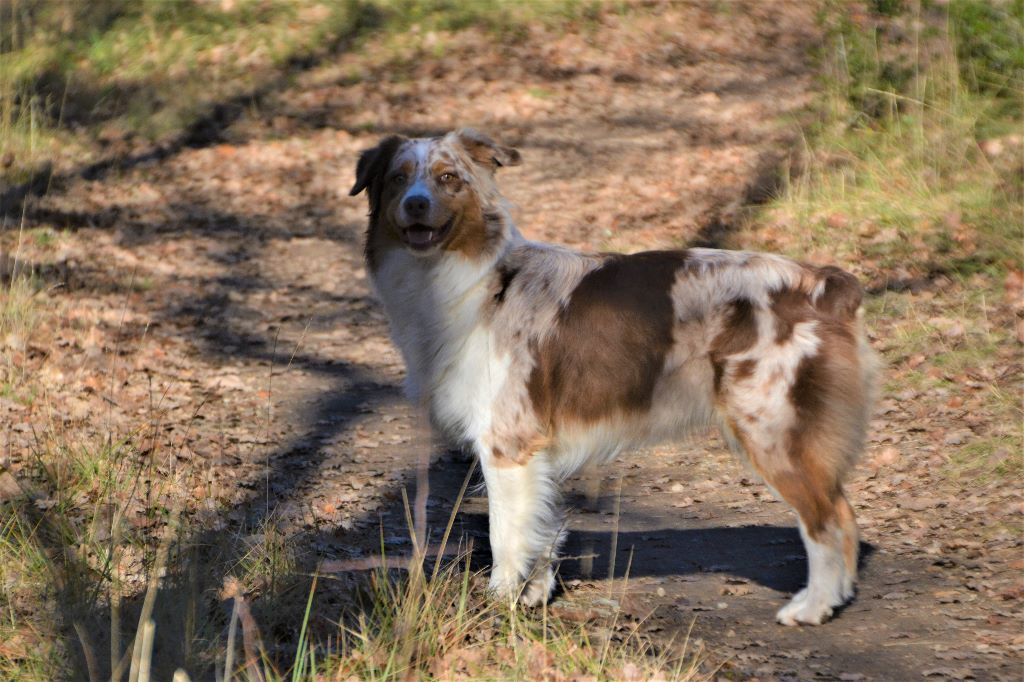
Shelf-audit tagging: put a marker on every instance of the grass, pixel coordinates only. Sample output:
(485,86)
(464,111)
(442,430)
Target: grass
(988,459)
(120,68)
(18,317)
(895,181)
(17,310)
(445,629)
(95,547)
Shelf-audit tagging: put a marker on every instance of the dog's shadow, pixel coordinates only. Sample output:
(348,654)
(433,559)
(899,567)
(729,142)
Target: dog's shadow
(767,555)
(771,556)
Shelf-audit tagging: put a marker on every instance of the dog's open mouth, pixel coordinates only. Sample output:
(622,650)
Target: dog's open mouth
(420,237)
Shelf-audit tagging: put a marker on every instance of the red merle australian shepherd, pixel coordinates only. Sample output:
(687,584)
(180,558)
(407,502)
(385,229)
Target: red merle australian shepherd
(543,359)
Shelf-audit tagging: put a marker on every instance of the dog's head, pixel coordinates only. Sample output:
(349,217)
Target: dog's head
(434,195)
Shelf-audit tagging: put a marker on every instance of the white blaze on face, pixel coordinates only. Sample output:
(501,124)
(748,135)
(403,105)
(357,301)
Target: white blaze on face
(417,152)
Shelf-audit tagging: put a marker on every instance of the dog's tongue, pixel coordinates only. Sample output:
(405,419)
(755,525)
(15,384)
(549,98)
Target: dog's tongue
(420,236)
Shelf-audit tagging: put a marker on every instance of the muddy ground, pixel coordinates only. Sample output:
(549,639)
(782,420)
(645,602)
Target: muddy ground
(222,285)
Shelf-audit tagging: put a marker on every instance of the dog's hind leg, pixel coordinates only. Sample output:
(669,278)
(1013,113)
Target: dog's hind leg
(525,526)
(827,527)
(803,463)
(800,410)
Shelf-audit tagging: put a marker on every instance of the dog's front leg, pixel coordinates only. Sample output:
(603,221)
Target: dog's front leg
(525,526)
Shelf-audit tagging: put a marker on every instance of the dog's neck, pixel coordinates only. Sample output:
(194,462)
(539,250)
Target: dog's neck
(435,304)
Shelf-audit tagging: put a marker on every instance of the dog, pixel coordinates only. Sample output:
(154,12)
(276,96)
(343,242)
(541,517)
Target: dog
(541,359)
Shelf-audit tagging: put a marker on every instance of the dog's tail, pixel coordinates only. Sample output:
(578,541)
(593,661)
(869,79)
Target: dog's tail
(842,294)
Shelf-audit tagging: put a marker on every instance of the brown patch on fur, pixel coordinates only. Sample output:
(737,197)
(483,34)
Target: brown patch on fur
(523,452)
(812,494)
(809,394)
(472,233)
(843,293)
(744,370)
(503,461)
(848,524)
(609,346)
(790,307)
(473,160)
(738,334)
(487,152)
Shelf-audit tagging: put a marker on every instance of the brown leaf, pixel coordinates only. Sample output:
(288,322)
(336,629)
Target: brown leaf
(9,488)
(916,361)
(922,503)
(886,457)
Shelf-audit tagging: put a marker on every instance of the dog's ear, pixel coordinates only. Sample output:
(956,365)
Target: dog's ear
(486,151)
(372,165)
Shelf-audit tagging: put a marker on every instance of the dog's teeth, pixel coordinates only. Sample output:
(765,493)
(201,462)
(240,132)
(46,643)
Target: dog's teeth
(421,236)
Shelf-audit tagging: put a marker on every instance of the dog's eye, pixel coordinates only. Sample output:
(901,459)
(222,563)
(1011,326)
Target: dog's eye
(445,178)
(398,178)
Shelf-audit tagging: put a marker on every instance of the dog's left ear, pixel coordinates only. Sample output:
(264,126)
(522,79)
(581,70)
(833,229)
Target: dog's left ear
(373,163)
(486,151)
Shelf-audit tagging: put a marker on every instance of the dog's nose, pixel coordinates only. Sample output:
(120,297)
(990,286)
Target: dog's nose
(416,206)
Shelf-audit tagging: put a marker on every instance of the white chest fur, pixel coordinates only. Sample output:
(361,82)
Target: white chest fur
(452,360)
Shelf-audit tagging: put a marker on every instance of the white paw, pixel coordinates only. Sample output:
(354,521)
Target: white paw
(846,594)
(538,589)
(804,610)
(504,585)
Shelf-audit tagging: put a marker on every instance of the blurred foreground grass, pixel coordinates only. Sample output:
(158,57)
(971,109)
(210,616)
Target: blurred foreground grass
(87,587)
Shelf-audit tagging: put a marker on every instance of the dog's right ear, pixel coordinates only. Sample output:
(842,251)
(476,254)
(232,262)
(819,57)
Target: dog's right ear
(485,151)
(372,165)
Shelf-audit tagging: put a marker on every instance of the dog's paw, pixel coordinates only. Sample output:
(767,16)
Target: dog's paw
(538,589)
(504,586)
(804,609)
(847,592)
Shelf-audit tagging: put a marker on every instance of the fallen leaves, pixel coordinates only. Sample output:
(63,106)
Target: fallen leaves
(255,241)
(9,488)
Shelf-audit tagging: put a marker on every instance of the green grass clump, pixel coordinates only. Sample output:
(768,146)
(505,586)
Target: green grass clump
(896,181)
(19,315)
(989,39)
(444,627)
(17,310)
(988,459)
(27,652)
(67,533)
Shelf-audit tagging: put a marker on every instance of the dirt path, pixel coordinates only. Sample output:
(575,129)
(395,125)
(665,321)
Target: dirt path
(230,277)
